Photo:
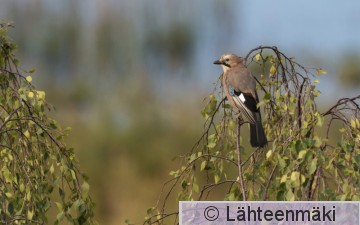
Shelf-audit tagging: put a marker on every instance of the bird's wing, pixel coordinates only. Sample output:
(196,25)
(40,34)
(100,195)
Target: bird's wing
(246,104)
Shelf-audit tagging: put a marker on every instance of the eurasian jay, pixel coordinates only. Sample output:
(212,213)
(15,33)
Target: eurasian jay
(244,98)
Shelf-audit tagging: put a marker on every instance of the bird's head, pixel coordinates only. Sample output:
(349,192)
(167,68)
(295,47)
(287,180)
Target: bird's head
(228,61)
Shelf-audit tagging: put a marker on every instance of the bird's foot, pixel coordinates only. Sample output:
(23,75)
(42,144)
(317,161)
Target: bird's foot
(239,118)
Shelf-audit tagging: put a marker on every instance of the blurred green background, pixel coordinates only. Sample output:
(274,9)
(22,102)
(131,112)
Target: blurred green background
(130,76)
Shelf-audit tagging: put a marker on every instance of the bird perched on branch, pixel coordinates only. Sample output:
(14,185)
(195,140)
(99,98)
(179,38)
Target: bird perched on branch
(244,98)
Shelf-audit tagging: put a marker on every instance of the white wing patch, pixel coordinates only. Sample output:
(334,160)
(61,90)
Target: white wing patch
(239,101)
(242,98)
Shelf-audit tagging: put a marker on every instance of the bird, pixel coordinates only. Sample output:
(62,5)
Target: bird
(244,98)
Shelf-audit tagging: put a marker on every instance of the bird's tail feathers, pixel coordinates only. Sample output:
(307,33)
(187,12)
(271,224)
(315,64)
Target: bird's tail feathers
(257,134)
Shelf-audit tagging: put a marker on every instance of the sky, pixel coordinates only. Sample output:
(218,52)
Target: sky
(318,26)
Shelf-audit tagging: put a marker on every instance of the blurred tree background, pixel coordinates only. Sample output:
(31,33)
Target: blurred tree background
(129,76)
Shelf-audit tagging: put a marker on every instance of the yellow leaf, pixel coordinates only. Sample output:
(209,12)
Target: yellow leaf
(216,178)
(320,72)
(257,57)
(85,187)
(27,134)
(211,145)
(22,187)
(290,196)
(30,214)
(268,154)
(283,179)
(347,156)
(285,107)
(8,194)
(342,130)
(295,176)
(316,81)
(203,165)
(303,179)
(41,94)
(302,153)
(29,79)
(31,94)
(272,70)
(318,142)
(52,169)
(353,123)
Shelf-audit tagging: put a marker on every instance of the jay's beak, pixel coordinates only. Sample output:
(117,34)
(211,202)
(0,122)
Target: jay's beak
(217,62)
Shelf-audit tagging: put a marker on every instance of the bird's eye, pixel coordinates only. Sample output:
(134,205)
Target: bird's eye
(227,60)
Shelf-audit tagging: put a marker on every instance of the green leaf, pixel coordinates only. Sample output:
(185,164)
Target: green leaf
(320,119)
(282,163)
(80,206)
(59,206)
(22,187)
(61,193)
(10,208)
(32,70)
(203,165)
(290,196)
(60,216)
(73,175)
(52,169)
(295,176)
(231,197)
(28,195)
(216,178)
(192,157)
(318,141)
(174,173)
(150,211)
(195,188)
(211,145)
(302,153)
(312,166)
(184,184)
(85,187)
(8,195)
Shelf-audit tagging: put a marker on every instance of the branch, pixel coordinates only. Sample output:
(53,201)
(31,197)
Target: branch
(240,167)
(206,131)
(343,101)
(9,117)
(268,183)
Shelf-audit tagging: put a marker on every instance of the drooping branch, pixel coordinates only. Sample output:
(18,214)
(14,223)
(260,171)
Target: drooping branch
(291,169)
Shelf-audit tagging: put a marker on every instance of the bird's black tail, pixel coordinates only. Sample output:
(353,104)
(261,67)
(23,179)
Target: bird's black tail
(257,134)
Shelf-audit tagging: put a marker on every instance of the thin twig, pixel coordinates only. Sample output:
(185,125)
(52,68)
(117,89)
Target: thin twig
(268,183)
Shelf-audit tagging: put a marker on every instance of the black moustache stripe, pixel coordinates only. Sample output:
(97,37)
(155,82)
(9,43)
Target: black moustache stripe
(225,64)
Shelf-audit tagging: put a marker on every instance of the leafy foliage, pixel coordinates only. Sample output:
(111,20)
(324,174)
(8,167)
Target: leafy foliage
(301,162)
(37,170)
